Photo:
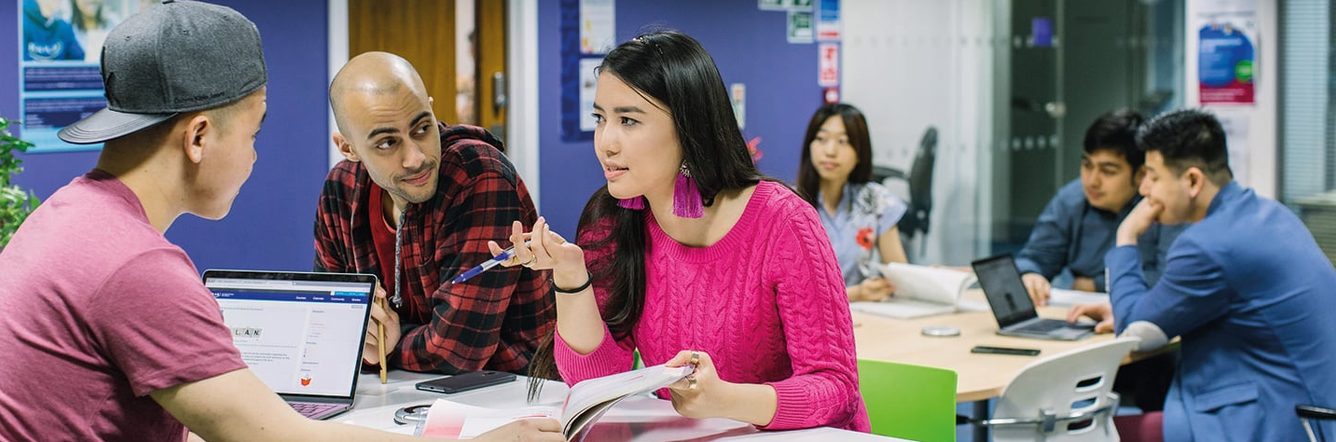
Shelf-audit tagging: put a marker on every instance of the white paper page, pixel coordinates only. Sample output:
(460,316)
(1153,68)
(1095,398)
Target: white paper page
(943,286)
(591,392)
(448,419)
(1065,297)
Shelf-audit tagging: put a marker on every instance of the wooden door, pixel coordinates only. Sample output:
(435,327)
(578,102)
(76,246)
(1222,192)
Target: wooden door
(421,31)
(491,76)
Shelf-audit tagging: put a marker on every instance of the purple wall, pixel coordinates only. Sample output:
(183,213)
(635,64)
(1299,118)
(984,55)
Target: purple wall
(748,45)
(271,222)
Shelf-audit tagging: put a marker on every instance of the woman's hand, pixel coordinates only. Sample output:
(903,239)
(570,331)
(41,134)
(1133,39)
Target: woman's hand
(702,394)
(698,395)
(872,289)
(545,250)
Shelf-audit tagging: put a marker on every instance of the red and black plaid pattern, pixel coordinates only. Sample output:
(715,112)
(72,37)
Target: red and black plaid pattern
(492,321)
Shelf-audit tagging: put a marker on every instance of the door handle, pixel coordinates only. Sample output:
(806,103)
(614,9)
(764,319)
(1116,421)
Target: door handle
(498,92)
(1055,109)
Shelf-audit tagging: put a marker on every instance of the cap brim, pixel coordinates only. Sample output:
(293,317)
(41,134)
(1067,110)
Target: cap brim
(108,124)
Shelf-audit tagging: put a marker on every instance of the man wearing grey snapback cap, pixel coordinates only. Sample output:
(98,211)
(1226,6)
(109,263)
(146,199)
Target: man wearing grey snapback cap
(109,333)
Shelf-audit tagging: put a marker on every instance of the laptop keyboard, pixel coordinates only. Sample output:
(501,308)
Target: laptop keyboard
(1043,326)
(313,410)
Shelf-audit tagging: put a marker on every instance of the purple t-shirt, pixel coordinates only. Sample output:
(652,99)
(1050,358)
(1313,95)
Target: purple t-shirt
(97,310)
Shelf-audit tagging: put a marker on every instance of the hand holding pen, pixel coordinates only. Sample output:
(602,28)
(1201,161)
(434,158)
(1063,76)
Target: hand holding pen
(543,249)
(382,335)
(500,258)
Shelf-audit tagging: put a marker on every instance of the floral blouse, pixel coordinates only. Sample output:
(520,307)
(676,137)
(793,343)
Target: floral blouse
(865,212)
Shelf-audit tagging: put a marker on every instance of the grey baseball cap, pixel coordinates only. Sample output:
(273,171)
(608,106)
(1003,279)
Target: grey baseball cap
(180,56)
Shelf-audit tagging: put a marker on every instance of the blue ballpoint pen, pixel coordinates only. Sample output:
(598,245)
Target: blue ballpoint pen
(486,265)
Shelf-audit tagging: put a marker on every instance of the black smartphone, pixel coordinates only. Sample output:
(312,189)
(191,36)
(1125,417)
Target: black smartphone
(466,381)
(1004,350)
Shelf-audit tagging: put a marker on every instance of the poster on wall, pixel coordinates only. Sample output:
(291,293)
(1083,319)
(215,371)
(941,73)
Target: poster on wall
(597,20)
(800,27)
(588,86)
(737,93)
(587,34)
(828,66)
(1227,45)
(784,5)
(828,21)
(60,46)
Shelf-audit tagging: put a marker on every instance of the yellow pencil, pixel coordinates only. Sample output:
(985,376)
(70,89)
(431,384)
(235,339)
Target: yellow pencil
(380,338)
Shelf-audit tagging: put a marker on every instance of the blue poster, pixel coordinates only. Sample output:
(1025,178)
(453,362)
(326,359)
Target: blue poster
(828,27)
(60,46)
(1225,64)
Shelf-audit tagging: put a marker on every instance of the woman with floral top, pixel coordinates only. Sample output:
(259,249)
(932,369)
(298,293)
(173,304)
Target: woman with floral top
(859,215)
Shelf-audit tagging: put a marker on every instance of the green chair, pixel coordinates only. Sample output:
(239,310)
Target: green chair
(909,401)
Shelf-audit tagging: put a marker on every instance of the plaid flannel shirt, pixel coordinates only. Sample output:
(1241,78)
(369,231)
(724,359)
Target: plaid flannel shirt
(492,321)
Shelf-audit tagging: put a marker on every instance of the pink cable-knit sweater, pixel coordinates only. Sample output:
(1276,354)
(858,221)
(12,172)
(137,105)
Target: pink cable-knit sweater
(766,302)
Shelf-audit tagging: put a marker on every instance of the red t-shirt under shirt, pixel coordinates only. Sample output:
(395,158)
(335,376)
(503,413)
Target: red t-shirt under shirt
(383,236)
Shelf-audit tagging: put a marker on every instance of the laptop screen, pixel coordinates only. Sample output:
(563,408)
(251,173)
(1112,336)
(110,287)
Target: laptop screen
(1001,283)
(300,333)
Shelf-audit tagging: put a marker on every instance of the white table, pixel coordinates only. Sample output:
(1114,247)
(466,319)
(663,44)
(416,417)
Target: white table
(640,418)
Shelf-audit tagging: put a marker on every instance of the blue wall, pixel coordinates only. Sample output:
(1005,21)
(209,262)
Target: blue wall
(748,45)
(271,222)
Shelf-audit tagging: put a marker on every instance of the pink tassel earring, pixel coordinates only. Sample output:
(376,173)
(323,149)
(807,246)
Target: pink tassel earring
(686,196)
(637,203)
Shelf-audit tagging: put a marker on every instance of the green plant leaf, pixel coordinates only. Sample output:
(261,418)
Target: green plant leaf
(15,203)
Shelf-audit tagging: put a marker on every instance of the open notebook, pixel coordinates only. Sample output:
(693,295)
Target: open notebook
(584,404)
(919,291)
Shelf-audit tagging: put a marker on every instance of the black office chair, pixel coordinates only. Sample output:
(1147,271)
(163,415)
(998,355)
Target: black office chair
(1308,413)
(916,219)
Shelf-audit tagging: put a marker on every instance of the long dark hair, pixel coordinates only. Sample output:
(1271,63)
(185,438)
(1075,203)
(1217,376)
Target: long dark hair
(78,16)
(674,69)
(855,127)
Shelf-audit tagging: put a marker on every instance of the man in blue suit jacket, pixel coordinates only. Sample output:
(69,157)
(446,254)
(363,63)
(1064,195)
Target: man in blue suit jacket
(1245,287)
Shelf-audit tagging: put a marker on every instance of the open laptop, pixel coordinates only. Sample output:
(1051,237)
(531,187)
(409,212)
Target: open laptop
(1011,305)
(300,333)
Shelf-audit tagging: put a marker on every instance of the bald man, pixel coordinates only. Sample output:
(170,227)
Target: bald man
(415,202)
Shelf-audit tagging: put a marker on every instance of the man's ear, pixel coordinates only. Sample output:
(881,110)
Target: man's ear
(345,147)
(193,139)
(1196,181)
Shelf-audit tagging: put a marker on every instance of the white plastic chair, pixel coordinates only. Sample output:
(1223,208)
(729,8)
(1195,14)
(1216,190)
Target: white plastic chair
(1064,397)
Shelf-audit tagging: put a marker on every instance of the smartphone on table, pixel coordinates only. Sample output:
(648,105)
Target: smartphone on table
(1004,350)
(466,381)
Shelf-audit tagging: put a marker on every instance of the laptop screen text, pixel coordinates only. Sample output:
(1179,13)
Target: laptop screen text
(299,337)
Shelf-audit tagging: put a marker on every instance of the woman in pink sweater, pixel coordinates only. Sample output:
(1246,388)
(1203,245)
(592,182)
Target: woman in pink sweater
(691,256)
